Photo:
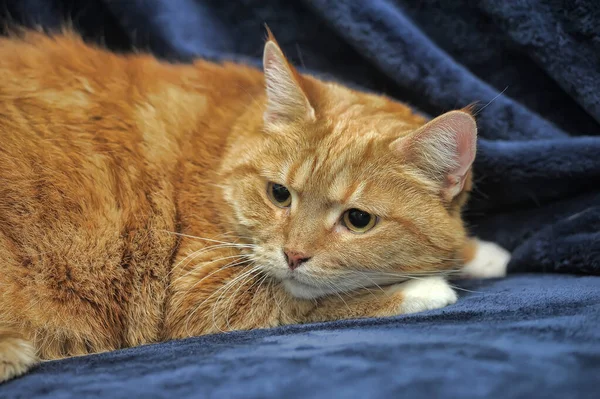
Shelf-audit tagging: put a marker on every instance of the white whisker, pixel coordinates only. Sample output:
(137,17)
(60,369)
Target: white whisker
(202,265)
(208,298)
(242,277)
(282,312)
(200,251)
(491,101)
(204,238)
(232,298)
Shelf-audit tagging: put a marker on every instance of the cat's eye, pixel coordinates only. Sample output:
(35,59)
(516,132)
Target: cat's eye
(358,221)
(279,195)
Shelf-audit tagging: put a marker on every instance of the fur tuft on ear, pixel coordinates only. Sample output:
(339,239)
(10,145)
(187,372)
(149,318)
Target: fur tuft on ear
(444,149)
(286,100)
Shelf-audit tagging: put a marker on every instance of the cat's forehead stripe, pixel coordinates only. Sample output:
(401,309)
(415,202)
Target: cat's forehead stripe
(324,155)
(299,175)
(354,192)
(284,173)
(339,187)
(345,189)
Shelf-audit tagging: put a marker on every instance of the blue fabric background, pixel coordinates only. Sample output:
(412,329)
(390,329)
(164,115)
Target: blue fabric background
(538,194)
(527,336)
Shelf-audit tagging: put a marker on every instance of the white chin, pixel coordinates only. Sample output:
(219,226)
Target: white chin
(303,291)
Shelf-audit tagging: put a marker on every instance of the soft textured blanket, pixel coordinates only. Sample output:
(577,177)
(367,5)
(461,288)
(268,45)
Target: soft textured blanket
(533,66)
(529,336)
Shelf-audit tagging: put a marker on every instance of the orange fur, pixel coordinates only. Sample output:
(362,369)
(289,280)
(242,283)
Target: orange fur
(133,205)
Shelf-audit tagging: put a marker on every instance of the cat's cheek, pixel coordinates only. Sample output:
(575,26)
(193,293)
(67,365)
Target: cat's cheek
(281,214)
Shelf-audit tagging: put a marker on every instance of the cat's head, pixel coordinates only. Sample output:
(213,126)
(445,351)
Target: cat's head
(340,190)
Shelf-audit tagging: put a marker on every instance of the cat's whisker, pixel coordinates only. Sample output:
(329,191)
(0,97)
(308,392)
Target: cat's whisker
(491,101)
(418,274)
(373,282)
(197,283)
(339,296)
(234,296)
(199,265)
(247,238)
(265,278)
(206,239)
(224,288)
(186,260)
(240,278)
(348,291)
(278,303)
(464,289)
(421,277)
(204,264)
(200,251)
(220,269)
(327,282)
(333,280)
(197,307)
(363,287)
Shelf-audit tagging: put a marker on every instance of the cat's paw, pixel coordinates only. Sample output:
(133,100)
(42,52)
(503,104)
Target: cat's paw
(490,261)
(425,294)
(16,357)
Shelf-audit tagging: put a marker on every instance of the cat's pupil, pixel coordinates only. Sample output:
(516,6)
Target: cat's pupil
(359,218)
(280,193)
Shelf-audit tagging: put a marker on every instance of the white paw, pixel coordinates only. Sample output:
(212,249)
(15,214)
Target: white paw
(490,261)
(425,294)
(16,357)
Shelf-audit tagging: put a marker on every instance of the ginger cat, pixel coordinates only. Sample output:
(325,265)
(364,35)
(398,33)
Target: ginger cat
(142,201)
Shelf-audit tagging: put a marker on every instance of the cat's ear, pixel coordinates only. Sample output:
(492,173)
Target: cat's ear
(286,100)
(444,150)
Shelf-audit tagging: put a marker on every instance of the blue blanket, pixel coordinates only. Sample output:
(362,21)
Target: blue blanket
(532,66)
(527,336)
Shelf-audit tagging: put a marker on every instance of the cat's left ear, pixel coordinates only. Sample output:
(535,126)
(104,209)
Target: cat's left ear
(443,149)
(286,99)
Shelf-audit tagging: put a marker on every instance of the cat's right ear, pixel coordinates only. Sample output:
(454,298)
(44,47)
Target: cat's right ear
(286,100)
(443,150)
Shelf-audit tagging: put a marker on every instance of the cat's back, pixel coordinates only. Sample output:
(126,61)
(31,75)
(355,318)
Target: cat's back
(90,148)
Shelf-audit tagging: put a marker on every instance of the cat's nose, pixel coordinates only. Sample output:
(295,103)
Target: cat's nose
(295,258)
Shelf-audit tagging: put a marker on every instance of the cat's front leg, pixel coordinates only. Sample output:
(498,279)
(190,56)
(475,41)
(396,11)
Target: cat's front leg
(484,259)
(411,296)
(16,355)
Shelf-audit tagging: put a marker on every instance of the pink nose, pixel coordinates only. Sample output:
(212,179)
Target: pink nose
(295,258)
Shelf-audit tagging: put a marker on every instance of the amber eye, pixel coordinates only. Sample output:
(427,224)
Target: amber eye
(358,221)
(279,195)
